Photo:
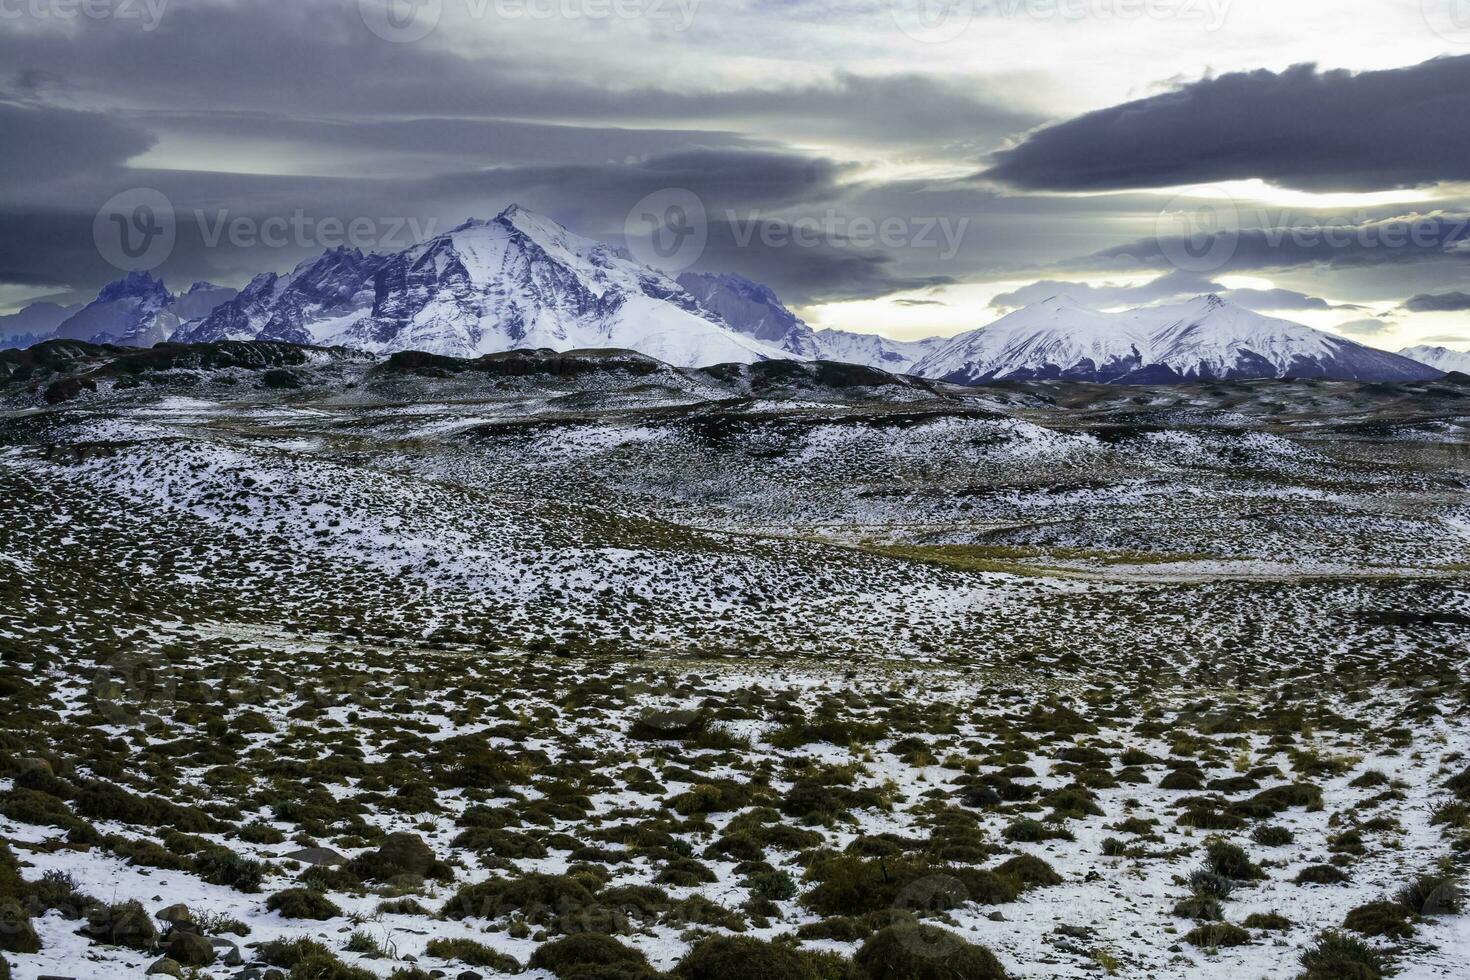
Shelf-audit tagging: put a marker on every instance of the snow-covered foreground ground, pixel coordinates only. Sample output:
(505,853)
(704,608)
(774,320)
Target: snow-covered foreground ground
(665,800)
(664,677)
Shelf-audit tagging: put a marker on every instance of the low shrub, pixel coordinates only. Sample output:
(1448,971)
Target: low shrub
(1320,874)
(1217,935)
(474,954)
(302,903)
(1431,894)
(1028,871)
(1337,957)
(911,951)
(1270,835)
(1267,921)
(1230,861)
(848,885)
(123,924)
(742,958)
(1380,919)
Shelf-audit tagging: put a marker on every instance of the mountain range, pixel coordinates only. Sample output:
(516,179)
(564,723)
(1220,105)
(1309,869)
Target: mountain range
(1204,339)
(1442,358)
(516,281)
(135,311)
(520,280)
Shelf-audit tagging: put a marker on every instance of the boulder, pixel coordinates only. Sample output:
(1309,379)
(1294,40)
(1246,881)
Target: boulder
(190,949)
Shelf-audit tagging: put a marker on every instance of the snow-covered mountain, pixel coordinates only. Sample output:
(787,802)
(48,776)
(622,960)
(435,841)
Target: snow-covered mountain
(201,300)
(136,311)
(754,310)
(519,280)
(522,281)
(873,350)
(330,292)
(1441,358)
(33,324)
(132,312)
(1206,338)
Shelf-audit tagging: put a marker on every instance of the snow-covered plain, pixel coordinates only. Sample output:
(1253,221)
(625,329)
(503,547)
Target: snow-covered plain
(737,653)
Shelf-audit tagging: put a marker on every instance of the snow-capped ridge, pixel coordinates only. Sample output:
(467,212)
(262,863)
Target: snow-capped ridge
(518,280)
(1438,357)
(1206,338)
(753,309)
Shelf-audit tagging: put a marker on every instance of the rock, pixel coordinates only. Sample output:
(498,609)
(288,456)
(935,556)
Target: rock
(165,967)
(175,915)
(190,949)
(228,952)
(315,855)
(66,389)
(470,975)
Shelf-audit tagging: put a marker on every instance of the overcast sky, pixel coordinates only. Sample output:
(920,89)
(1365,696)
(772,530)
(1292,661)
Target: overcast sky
(908,167)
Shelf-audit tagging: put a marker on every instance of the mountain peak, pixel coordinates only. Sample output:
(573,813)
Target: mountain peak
(518,280)
(133,285)
(536,226)
(1204,339)
(1061,301)
(1439,358)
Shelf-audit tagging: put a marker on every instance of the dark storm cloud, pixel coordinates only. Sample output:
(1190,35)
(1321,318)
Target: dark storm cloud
(43,144)
(1437,303)
(433,144)
(319,58)
(1341,243)
(1319,130)
(1171,287)
(1283,299)
(823,271)
(424,132)
(1174,285)
(50,242)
